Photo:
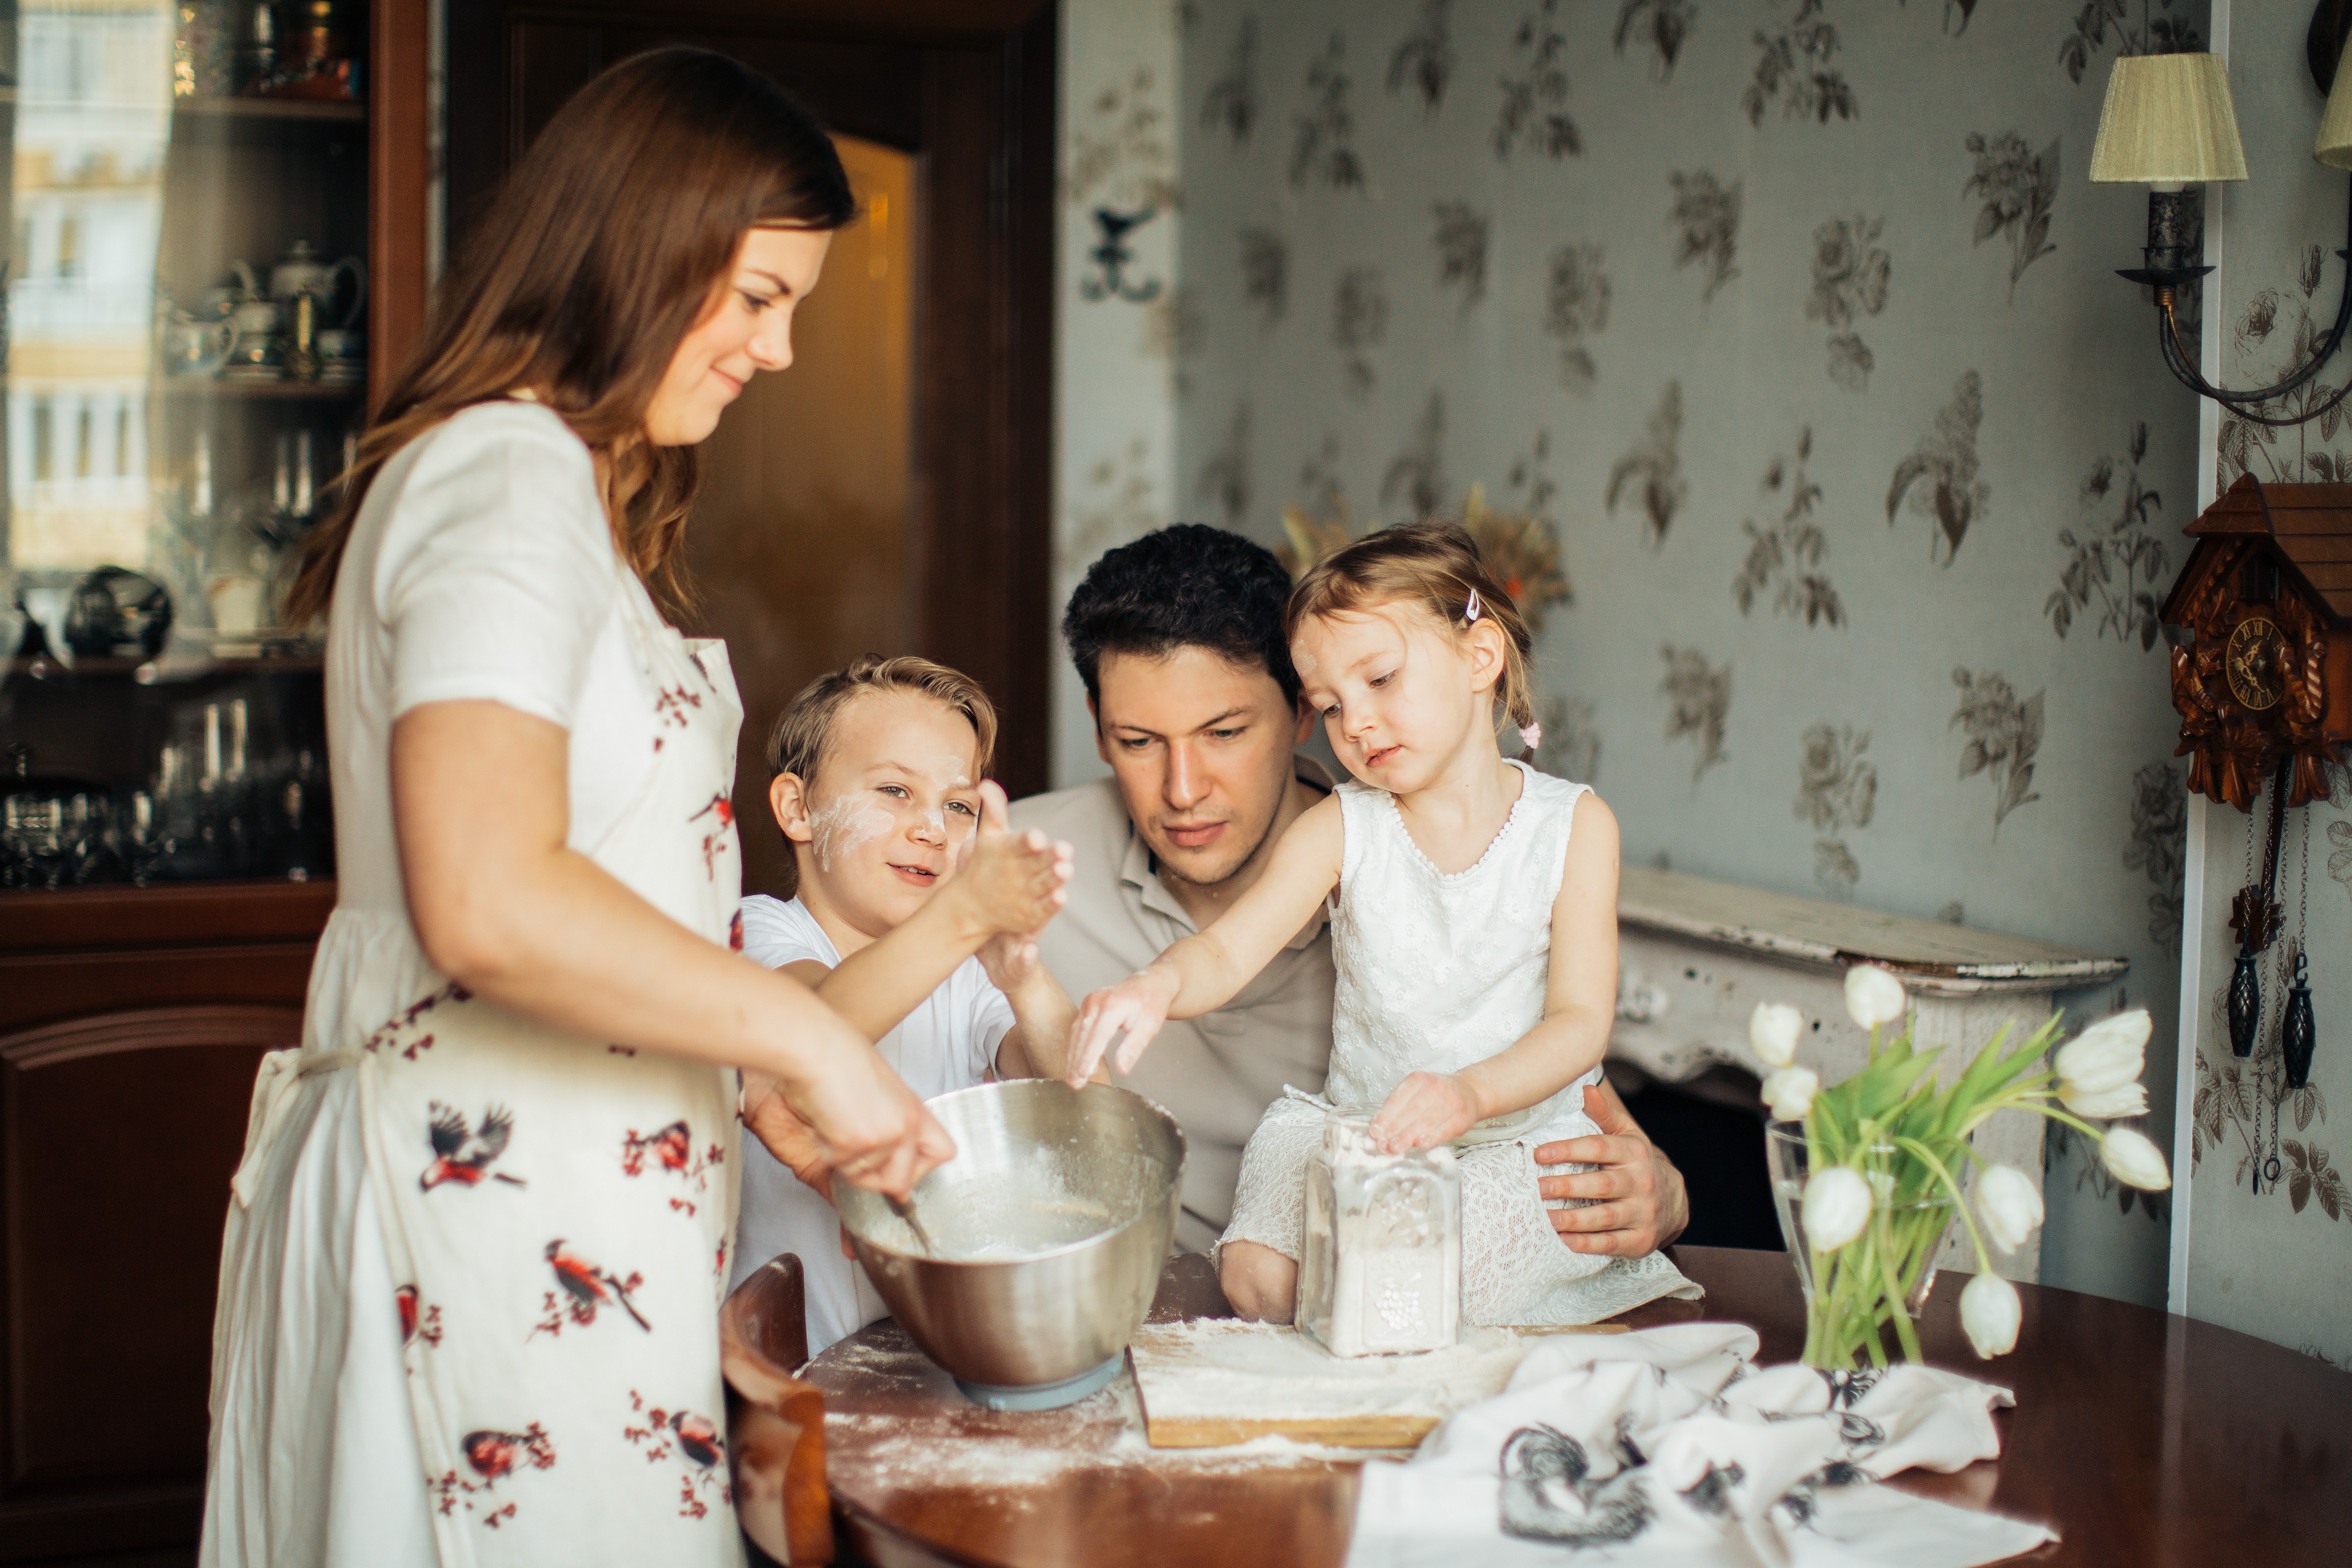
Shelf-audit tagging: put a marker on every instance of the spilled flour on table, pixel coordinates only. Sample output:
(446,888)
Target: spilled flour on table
(1224,1369)
(872,1455)
(1249,1372)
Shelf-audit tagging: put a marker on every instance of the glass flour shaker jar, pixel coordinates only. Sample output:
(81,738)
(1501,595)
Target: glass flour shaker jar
(1381,1272)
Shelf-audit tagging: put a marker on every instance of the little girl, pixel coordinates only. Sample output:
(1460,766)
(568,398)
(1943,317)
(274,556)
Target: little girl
(1475,934)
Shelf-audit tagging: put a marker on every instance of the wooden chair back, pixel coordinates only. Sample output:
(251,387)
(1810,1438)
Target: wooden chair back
(775,1423)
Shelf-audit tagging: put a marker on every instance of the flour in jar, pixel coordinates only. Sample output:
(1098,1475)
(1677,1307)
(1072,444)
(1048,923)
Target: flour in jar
(1381,1271)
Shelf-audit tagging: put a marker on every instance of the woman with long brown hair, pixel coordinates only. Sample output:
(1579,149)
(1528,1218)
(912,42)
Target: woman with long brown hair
(469,1290)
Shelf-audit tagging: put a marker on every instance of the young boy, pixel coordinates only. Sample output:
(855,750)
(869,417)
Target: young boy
(912,896)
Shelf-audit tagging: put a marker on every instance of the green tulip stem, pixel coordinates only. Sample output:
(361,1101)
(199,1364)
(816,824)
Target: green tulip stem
(1897,1302)
(1984,1258)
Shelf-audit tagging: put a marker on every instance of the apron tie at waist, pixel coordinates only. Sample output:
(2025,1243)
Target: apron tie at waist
(272,1098)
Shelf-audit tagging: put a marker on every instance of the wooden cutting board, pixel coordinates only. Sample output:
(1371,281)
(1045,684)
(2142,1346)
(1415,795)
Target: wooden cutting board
(1214,1382)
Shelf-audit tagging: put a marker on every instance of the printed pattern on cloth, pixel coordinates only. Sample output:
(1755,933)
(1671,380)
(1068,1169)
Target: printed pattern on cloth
(1671,1446)
(556,1213)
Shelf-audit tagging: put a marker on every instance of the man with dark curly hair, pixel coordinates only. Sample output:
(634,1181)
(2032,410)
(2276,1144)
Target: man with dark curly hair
(1178,637)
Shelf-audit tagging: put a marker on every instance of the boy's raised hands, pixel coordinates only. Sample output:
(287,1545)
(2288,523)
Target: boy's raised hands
(1006,881)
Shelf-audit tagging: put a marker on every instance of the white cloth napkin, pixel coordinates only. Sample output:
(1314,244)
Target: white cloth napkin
(1669,1447)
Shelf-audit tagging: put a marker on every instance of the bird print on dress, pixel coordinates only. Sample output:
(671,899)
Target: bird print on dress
(721,839)
(492,1456)
(464,1155)
(582,1287)
(670,705)
(399,1034)
(420,1323)
(668,1435)
(672,1150)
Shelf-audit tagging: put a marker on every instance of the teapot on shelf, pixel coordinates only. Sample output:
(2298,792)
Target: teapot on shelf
(303,270)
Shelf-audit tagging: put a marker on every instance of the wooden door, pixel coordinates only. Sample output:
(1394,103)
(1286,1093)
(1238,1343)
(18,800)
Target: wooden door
(917,521)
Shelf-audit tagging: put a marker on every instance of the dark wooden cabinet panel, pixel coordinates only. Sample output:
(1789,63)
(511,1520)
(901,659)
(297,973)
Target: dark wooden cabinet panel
(119,1133)
(45,987)
(131,1021)
(167,915)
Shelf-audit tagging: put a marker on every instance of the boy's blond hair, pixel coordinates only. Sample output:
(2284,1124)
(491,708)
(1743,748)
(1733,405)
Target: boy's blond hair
(1435,565)
(803,730)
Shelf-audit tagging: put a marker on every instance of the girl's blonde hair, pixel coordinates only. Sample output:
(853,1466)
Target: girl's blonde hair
(1435,566)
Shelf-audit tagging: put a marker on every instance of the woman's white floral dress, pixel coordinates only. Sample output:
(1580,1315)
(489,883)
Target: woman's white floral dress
(469,1290)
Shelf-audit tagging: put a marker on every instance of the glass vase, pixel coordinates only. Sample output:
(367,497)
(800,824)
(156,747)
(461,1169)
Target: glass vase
(1878,1282)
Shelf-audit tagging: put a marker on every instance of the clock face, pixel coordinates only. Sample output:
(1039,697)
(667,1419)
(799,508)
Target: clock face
(2255,660)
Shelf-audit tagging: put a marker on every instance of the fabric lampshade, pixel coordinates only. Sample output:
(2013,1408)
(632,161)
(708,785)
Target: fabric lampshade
(2334,144)
(2168,120)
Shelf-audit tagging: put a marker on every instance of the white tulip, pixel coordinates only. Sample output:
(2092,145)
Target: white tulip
(1772,1033)
(1790,1092)
(1836,1208)
(1872,997)
(2132,1160)
(2008,1205)
(2108,1055)
(1989,1312)
(2107,1105)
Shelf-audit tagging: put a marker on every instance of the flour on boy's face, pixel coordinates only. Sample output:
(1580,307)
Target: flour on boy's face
(891,806)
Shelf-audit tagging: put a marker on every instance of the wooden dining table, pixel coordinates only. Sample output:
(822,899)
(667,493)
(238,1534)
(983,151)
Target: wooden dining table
(2145,1440)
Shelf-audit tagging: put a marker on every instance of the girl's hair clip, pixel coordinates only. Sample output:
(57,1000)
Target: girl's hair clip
(1531,735)
(1470,611)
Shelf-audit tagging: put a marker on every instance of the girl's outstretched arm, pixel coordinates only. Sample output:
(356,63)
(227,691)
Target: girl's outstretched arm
(1201,972)
(1580,1005)
(1039,1044)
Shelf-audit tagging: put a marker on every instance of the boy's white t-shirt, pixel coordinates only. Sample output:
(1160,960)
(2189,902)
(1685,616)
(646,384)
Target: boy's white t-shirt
(948,1042)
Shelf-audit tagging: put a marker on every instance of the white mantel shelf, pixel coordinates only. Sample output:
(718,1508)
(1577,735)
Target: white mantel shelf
(1932,958)
(1696,956)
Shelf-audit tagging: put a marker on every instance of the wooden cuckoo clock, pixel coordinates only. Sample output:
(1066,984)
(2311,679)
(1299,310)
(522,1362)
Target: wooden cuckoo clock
(2261,657)
(2261,672)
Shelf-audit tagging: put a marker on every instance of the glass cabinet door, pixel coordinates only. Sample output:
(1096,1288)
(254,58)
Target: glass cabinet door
(185,367)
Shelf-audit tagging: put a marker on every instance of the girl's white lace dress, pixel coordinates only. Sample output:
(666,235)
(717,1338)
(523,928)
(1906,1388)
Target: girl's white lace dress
(1436,972)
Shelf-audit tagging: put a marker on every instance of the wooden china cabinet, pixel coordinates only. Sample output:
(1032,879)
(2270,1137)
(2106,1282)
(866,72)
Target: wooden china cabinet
(187,349)
(165,835)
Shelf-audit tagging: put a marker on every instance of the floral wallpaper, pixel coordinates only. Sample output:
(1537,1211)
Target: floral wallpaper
(1127,332)
(1795,323)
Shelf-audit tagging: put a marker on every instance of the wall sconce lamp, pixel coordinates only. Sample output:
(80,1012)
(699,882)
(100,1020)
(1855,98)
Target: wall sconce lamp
(2167,123)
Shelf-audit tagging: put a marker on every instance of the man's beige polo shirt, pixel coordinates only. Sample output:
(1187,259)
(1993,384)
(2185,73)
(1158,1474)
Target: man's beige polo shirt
(1217,1073)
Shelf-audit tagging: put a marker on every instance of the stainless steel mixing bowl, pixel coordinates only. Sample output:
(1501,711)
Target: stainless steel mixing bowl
(1054,1219)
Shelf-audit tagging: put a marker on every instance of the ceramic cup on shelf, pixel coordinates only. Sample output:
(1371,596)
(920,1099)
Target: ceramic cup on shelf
(197,347)
(223,298)
(257,350)
(343,354)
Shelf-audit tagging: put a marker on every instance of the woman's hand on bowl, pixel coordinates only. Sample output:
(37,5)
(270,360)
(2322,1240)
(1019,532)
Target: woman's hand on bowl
(793,1141)
(867,1126)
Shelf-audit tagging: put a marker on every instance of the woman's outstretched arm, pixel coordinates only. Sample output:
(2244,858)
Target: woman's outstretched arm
(481,804)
